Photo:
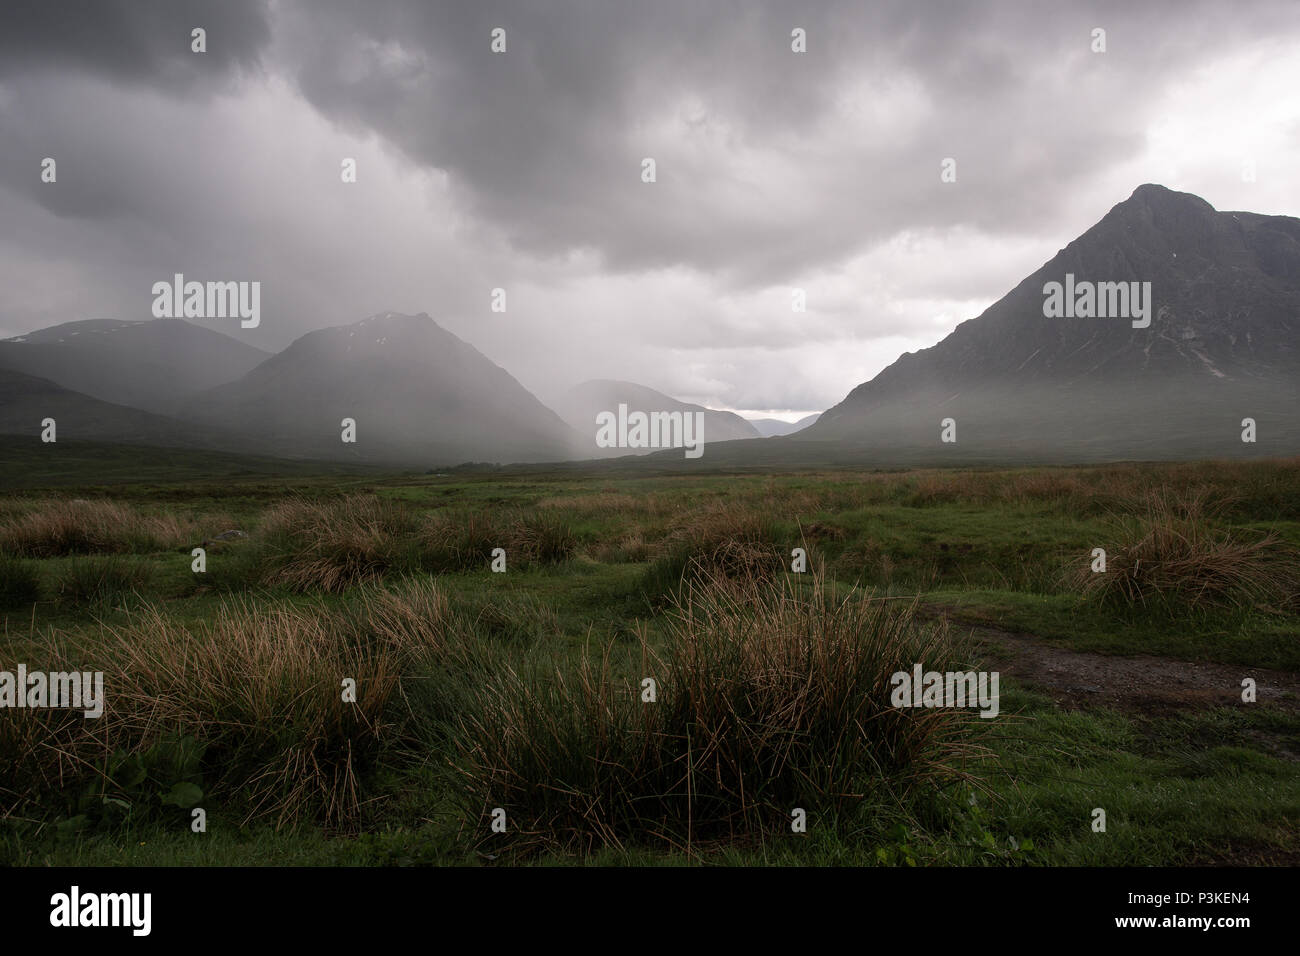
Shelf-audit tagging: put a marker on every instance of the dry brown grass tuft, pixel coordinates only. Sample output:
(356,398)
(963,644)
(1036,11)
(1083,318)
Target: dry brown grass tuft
(630,547)
(606,503)
(260,686)
(768,698)
(56,527)
(336,544)
(1039,486)
(464,542)
(1172,554)
(723,539)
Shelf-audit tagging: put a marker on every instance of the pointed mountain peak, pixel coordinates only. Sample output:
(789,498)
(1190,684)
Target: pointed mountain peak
(417,392)
(1154,191)
(1162,202)
(1209,326)
(396,318)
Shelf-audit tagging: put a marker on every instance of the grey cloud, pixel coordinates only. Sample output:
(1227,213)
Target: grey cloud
(775,170)
(547,139)
(132,41)
(94,46)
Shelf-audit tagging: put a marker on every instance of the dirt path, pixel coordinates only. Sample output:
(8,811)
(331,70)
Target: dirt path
(1146,684)
(1149,688)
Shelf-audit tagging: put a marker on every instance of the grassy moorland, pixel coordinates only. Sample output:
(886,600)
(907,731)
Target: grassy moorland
(523,690)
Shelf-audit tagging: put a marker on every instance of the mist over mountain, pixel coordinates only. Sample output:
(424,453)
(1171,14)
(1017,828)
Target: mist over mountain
(152,365)
(771,427)
(580,405)
(1223,344)
(418,395)
(26,402)
(1205,335)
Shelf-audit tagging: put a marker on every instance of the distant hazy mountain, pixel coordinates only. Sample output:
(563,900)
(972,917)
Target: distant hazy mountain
(25,402)
(417,393)
(580,405)
(1223,345)
(152,365)
(769,427)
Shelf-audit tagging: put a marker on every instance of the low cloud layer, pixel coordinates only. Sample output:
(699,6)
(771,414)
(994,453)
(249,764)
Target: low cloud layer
(522,170)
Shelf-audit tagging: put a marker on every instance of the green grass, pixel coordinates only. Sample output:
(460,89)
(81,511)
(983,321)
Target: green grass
(1249,637)
(595,560)
(1173,794)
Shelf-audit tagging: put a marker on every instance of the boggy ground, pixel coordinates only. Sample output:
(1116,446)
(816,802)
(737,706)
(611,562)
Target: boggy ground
(523,690)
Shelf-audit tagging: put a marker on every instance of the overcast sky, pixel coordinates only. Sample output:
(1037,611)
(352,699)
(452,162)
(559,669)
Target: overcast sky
(522,169)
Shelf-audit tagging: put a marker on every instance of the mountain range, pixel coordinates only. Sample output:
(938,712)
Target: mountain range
(580,405)
(151,365)
(771,427)
(415,391)
(1220,344)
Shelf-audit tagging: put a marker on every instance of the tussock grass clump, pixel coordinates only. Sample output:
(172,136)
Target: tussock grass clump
(542,538)
(769,698)
(55,528)
(726,541)
(259,686)
(20,586)
(1255,490)
(1034,487)
(101,580)
(940,489)
(465,542)
(1046,486)
(460,542)
(336,544)
(605,504)
(1172,555)
(629,548)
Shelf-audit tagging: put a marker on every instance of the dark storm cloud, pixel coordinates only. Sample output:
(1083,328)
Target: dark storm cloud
(142,44)
(131,41)
(547,138)
(817,170)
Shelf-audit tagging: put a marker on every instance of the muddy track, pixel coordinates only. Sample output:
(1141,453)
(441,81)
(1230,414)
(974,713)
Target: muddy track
(1145,684)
